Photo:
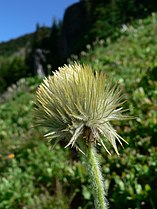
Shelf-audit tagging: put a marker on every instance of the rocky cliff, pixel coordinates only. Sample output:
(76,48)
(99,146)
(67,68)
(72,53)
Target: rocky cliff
(75,24)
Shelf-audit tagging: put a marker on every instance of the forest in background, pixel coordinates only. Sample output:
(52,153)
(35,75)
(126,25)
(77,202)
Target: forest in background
(34,177)
(94,20)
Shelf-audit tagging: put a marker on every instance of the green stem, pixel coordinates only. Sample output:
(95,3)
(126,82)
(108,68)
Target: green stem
(96,179)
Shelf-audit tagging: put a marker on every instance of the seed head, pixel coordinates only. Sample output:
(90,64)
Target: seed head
(78,106)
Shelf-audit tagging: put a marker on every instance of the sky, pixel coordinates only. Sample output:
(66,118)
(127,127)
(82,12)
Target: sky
(20,17)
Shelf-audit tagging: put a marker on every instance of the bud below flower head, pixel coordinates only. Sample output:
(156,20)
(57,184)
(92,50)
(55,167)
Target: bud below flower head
(77,106)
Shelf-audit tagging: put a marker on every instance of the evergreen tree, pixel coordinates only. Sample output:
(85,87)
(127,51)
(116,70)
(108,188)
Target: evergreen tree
(53,56)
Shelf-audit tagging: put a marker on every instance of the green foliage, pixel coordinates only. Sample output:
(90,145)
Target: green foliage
(131,62)
(31,175)
(106,17)
(53,58)
(11,71)
(16,56)
(36,173)
(22,43)
(132,178)
(39,37)
(15,109)
(15,45)
(29,180)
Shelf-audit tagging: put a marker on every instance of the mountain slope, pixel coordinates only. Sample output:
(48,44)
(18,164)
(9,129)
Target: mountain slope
(10,47)
(130,178)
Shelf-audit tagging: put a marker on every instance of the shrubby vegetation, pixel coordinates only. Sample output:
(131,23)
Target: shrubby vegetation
(131,62)
(32,176)
(16,56)
(106,17)
(11,71)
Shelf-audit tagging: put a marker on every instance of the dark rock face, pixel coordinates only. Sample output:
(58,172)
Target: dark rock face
(75,24)
(39,62)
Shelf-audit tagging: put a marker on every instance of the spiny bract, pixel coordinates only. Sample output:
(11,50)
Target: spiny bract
(75,100)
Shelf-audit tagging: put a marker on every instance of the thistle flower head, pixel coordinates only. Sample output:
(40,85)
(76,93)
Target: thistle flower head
(78,106)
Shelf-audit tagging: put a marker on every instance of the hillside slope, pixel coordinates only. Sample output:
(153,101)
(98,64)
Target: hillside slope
(130,178)
(13,46)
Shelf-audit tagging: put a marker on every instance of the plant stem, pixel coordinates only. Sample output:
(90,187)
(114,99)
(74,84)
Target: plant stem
(96,179)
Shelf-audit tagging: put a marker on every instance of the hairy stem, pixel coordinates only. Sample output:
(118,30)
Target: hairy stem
(96,179)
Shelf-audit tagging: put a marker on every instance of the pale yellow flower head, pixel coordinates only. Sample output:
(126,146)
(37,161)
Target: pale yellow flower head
(78,106)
